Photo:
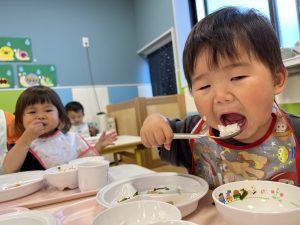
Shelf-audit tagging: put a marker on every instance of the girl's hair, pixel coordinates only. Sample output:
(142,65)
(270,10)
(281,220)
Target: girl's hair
(220,34)
(40,94)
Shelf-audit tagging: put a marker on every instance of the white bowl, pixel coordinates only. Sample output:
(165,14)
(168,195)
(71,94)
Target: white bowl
(258,202)
(174,222)
(28,218)
(86,159)
(12,210)
(138,213)
(182,190)
(16,185)
(63,176)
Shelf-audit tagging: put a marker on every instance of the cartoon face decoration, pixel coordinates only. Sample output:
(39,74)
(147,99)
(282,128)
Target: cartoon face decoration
(281,126)
(282,154)
(6,53)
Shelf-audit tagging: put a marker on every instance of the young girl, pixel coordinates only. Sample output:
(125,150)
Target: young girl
(42,124)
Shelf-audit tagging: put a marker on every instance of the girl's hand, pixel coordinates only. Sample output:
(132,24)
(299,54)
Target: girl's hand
(35,129)
(105,140)
(155,131)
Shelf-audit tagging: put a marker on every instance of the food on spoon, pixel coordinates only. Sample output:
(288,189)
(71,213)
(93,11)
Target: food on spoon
(229,129)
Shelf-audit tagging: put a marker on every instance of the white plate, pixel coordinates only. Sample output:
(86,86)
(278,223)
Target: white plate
(86,159)
(182,190)
(20,184)
(28,218)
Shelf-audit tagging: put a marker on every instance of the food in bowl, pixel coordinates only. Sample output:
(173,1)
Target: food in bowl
(63,176)
(166,187)
(258,202)
(138,213)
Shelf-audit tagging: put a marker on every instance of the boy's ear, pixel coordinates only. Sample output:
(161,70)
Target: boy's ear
(280,80)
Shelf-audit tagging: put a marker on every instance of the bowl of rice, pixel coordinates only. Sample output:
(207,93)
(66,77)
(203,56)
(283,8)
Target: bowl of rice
(63,176)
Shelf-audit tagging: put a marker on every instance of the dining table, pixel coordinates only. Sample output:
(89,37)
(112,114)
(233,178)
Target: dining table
(83,211)
(124,143)
(74,208)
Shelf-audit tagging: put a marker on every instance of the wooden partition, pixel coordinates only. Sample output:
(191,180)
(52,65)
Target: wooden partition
(130,115)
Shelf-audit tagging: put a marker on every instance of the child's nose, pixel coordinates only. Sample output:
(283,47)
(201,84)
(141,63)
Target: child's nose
(223,96)
(41,116)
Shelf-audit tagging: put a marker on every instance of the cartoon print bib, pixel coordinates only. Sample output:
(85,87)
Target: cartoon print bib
(3,142)
(270,158)
(60,149)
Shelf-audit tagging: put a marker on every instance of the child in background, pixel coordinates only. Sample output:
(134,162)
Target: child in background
(43,126)
(233,67)
(75,112)
(7,134)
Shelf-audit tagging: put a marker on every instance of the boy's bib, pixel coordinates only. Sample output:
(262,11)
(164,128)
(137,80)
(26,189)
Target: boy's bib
(273,157)
(60,148)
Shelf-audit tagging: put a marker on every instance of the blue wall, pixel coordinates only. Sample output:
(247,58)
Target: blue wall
(117,29)
(153,18)
(56,28)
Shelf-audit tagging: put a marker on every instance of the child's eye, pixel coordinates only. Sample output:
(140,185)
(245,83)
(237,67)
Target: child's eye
(31,112)
(49,110)
(237,78)
(204,87)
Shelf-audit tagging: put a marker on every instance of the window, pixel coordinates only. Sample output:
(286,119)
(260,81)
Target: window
(284,14)
(288,22)
(162,71)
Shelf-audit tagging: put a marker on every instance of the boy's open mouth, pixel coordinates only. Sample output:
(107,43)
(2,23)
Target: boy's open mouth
(231,118)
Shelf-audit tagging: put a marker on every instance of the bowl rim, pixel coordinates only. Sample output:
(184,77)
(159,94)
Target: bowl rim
(167,221)
(105,189)
(217,202)
(125,204)
(77,161)
(51,171)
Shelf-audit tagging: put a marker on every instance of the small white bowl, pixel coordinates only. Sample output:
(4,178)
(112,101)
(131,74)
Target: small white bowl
(7,210)
(174,222)
(86,159)
(258,202)
(28,217)
(138,213)
(63,176)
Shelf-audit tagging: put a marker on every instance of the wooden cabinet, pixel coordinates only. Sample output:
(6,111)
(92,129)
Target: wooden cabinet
(130,115)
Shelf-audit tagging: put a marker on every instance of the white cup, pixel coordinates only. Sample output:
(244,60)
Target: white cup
(92,175)
(102,120)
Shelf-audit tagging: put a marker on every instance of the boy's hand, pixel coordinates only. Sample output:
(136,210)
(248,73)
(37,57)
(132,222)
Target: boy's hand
(106,139)
(155,131)
(35,129)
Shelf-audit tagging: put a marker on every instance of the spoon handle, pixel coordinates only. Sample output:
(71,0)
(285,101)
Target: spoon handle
(187,136)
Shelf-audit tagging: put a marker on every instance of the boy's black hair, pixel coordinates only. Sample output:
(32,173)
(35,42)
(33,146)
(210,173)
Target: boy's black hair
(221,33)
(75,107)
(40,94)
